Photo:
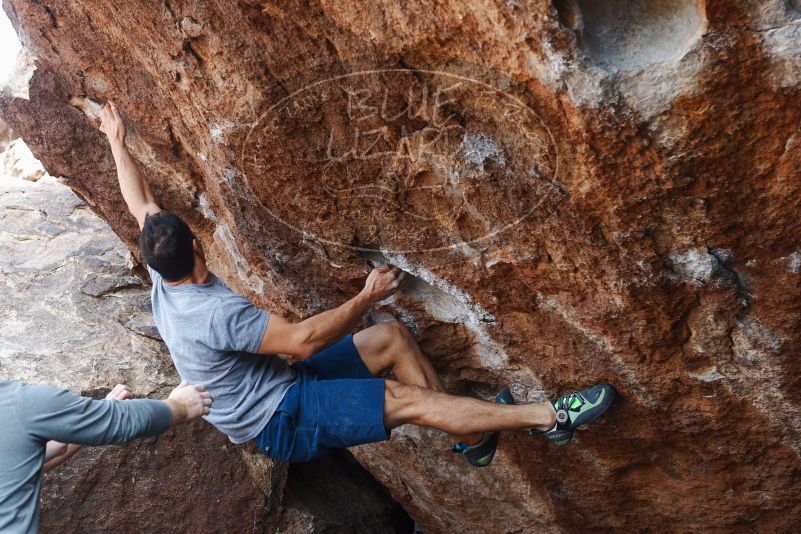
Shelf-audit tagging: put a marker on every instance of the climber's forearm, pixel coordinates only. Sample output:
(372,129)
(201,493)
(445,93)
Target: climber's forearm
(134,187)
(307,337)
(325,328)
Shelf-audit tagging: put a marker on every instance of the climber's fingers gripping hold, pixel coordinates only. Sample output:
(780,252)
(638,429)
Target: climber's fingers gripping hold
(111,122)
(383,282)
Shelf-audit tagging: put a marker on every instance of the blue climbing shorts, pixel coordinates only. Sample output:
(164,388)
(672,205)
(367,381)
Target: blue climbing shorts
(334,403)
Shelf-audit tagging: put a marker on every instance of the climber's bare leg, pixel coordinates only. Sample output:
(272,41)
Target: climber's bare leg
(405,403)
(391,346)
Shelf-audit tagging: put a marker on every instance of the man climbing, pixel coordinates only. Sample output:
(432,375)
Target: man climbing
(331,397)
(38,422)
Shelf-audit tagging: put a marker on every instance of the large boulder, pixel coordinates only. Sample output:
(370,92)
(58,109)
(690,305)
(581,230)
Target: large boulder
(582,191)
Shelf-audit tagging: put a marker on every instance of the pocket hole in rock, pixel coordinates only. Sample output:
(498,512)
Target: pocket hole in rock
(630,34)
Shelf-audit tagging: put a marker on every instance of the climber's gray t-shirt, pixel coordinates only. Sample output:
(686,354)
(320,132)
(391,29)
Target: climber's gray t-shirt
(212,334)
(31,415)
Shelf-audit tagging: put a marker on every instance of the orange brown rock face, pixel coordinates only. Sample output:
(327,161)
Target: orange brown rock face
(583,191)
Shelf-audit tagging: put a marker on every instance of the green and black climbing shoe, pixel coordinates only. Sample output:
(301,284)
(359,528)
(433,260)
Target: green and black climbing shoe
(482,453)
(576,409)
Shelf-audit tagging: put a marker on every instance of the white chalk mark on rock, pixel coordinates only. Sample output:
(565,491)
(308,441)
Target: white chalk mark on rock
(695,265)
(478,148)
(205,207)
(794,262)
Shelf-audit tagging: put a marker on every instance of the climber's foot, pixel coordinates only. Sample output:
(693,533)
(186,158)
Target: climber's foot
(482,453)
(576,409)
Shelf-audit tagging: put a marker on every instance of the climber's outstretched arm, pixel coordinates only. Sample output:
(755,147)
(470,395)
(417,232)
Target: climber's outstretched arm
(134,188)
(308,337)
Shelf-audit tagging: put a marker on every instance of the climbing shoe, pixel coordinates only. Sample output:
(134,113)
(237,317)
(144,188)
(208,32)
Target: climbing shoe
(576,409)
(482,453)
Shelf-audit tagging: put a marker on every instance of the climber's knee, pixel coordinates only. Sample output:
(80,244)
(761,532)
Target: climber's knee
(382,345)
(399,336)
(393,333)
(403,403)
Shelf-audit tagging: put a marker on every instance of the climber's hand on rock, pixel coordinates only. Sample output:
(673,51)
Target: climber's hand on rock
(111,123)
(188,401)
(120,392)
(383,282)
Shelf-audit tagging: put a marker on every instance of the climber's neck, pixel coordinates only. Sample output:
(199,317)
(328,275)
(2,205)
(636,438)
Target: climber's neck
(200,273)
(198,276)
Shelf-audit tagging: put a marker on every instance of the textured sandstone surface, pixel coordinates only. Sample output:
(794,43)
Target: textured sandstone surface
(73,313)
(583,191)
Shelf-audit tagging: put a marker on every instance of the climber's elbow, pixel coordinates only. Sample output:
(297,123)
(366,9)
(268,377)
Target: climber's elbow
(306,342)
(299,340)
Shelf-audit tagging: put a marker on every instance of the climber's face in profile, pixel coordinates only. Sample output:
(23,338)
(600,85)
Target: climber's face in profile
(168,246)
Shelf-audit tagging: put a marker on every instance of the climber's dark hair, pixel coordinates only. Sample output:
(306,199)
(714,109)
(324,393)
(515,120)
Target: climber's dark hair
(166,245)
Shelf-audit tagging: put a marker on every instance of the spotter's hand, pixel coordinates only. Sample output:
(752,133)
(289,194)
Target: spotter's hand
(383,282)
(192,400)
(111,123)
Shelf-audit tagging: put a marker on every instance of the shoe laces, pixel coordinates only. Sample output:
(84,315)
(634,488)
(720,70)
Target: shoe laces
(573,402)
(564,405)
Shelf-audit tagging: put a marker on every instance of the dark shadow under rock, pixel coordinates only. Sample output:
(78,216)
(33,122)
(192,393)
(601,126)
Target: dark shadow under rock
(335,495)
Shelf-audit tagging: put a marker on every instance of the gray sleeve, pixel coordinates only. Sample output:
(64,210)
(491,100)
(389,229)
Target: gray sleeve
(49,413)
(237,325)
